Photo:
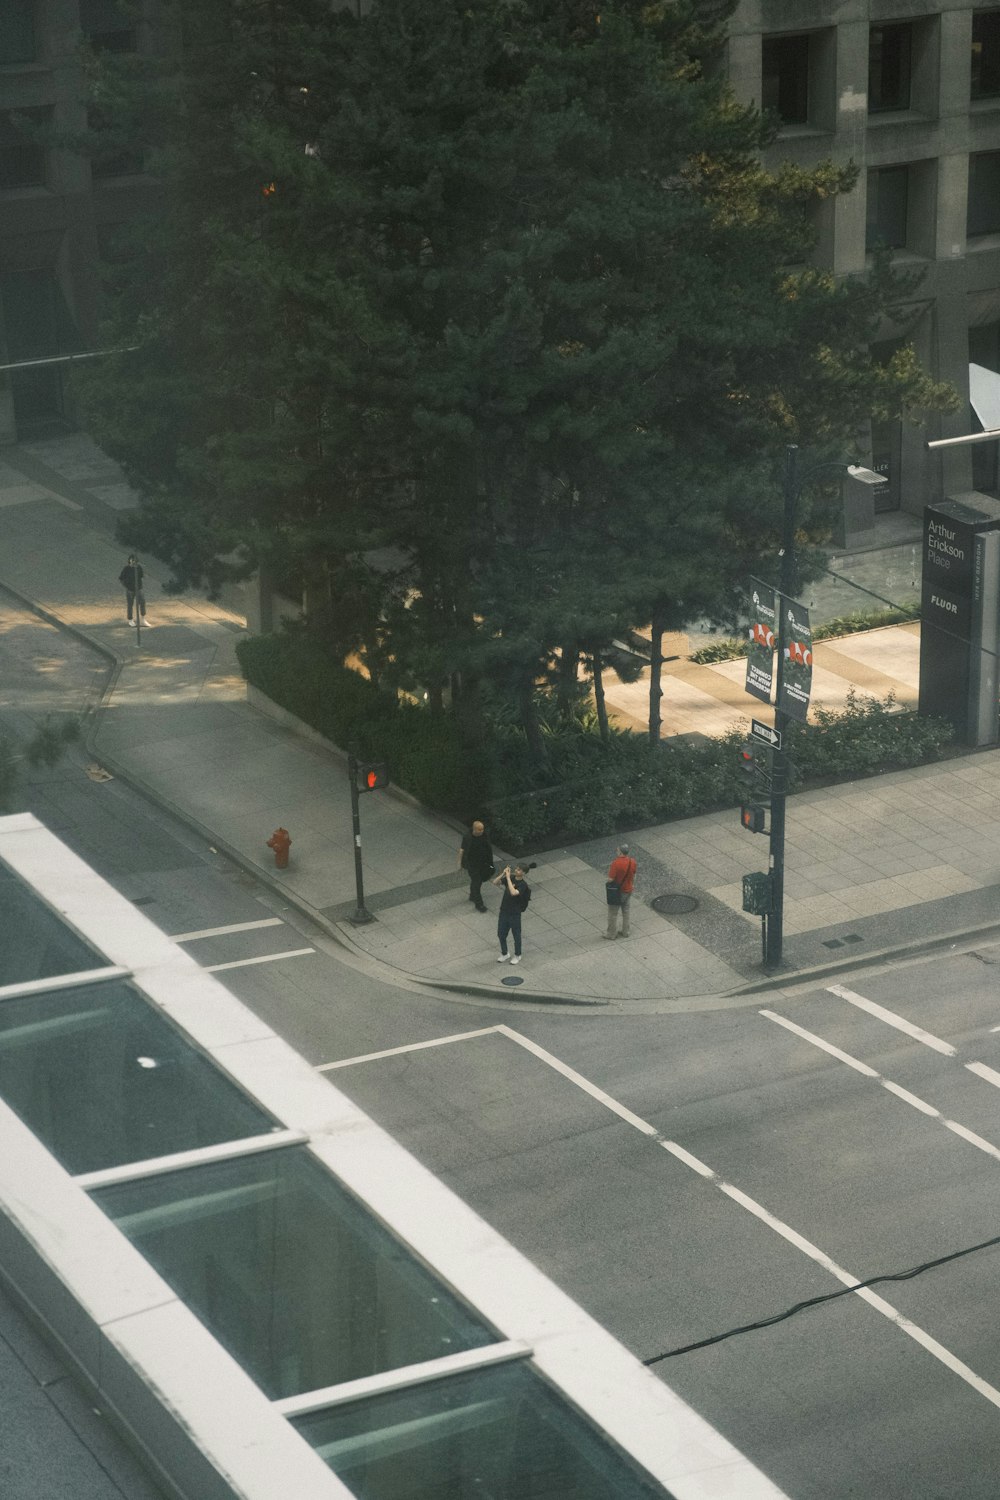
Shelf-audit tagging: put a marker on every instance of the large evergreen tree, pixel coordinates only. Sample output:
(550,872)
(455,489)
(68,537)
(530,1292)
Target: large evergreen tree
(481,319)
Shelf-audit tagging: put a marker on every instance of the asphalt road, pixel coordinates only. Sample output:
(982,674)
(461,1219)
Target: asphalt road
(685,1177)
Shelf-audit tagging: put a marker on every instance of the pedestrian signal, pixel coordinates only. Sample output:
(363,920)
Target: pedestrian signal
(753,817)
(372,777)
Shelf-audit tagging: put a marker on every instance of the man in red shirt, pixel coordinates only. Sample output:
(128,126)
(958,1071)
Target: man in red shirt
(622,871)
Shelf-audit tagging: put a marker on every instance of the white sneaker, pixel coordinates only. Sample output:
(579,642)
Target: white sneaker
(516,959)
(503,958)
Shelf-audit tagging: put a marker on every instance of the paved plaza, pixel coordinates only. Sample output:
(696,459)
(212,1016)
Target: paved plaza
(872,866)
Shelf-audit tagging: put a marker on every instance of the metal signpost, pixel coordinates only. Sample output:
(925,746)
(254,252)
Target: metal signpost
(764,895)
(370,777)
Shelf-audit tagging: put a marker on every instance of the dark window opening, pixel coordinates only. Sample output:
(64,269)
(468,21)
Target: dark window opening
(37,323)
(785,78)
(17,31)
(889,68)
(984,194)
(22,157)
(114,154)
(888,194)
(985,54)
(107,26)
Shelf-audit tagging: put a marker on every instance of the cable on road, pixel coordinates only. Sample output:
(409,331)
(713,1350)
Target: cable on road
(847,1291)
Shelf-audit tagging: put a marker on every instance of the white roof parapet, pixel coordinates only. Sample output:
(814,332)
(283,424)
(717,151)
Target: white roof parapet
(137,1312)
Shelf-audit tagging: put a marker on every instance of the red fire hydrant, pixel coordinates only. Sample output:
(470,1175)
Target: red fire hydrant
(280,843)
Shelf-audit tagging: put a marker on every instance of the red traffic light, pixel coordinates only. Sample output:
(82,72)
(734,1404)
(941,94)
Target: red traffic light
(748,757)
(373,777)
(752,817)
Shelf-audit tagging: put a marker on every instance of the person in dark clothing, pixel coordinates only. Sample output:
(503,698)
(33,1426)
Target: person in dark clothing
(130,579)
(476,858)
(516,895)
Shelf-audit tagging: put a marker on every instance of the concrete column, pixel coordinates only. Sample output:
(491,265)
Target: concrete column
(850,144)
(951,362)
(743,68)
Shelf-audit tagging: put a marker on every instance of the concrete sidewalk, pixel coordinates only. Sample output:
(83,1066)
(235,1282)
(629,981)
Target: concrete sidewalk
(870,866)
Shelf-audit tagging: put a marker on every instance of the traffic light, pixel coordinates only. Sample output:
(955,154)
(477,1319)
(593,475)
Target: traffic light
(372,777)
(748,759)
(753,817)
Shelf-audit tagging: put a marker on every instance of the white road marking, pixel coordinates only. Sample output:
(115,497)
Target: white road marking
(688,1159)
(207,932)
(266,958)
(908,1098)
(894,1088)
(817,1041)
(982,1071)
(904,1324)
(972,1138)
(438,1041)
(891,1019)
(788,1233)
(735,1194)
(949,1360)
(580,1081)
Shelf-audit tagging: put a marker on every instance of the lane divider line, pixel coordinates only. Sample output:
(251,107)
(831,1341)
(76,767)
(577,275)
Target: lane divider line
(437,1041)
(892,1019)
(982,1071)
(581,1082)
(817,1041)
(736,1195)
(905,1325)
(893,1088)
(901,1024)
(267,958)
(210,932)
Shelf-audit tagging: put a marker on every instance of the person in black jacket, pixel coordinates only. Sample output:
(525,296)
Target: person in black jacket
(475,857)
(130,579)
(516,895)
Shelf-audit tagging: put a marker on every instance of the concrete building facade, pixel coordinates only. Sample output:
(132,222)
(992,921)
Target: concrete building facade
(910,93)
(57,208)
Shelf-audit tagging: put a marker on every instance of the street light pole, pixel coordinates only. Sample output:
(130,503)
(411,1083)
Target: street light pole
(774,927)
(792,488)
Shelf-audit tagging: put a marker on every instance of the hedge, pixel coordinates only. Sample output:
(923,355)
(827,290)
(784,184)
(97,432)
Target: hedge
(424,753)
(873,619)
(587,788)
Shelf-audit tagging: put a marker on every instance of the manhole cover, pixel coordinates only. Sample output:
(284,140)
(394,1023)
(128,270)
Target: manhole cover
(512,979)
(673,905)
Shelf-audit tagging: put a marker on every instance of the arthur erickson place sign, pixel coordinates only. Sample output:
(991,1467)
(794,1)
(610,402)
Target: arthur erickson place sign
(960,616)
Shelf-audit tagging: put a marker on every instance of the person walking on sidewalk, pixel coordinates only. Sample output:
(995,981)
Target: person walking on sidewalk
(476,858)
(621,873)
(516,895)
(130,579)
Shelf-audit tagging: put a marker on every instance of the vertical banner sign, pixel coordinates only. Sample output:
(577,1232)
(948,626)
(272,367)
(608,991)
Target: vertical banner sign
(760,656)
(796,679)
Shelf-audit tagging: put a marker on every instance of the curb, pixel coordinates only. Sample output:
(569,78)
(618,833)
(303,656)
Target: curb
(335,931)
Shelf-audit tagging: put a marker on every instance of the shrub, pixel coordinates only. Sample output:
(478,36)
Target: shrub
(588,788)
(425,754)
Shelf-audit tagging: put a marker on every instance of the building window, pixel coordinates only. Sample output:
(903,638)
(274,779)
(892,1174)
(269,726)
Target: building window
(107,27)
(785,78)
(985,54)
(889,50)
(114,154)
(17,31)
(888,194)
(984,194)
(22,158)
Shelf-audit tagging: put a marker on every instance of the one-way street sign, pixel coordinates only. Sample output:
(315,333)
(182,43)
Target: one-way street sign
(766,733)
